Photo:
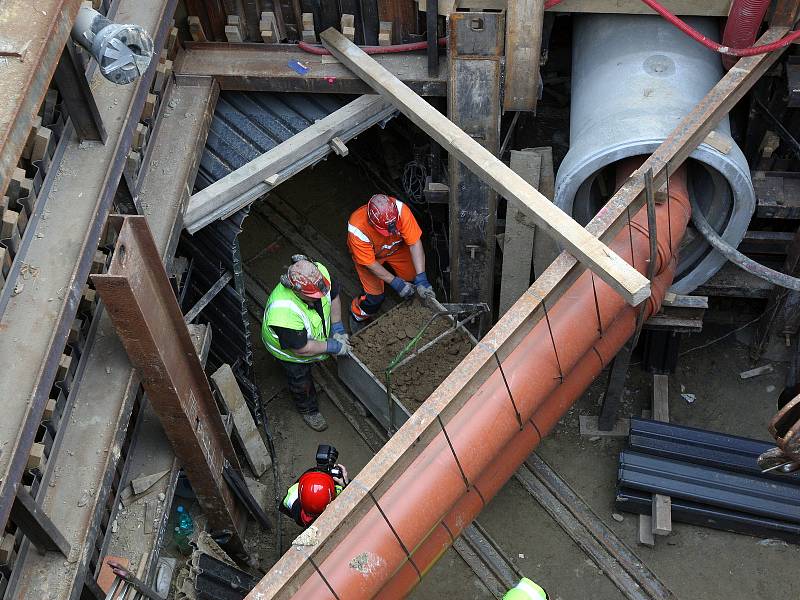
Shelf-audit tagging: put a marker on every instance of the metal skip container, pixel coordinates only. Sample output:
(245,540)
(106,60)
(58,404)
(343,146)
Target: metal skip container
(634,77)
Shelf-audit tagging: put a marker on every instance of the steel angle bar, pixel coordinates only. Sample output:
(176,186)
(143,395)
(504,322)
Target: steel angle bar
(711,486)
(138,296)
(686,511)
(710,448)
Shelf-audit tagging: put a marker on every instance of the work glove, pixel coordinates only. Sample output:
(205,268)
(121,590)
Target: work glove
(337,348)
(402,287)
(339,334)
(424,288)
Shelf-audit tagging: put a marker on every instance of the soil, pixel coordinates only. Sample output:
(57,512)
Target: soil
(378,345)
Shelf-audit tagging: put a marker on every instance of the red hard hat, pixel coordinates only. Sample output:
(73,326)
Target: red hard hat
(306,278)
(383,214)
(317,490)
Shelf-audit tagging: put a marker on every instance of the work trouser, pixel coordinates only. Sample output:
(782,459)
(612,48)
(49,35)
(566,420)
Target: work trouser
(301,385)
(367,304)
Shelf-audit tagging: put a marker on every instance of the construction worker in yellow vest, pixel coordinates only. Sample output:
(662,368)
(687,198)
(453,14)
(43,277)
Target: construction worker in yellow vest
(526,590)
(302,325)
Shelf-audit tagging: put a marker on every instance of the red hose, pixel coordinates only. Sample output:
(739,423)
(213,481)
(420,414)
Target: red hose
(709,43)
(744,21)
(320,51)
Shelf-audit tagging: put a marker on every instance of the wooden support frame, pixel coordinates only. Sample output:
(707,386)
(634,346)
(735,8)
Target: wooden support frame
(524,19)
(37,526)
(295,565)
(628,282)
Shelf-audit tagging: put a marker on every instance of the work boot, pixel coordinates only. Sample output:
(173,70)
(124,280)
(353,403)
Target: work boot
(316,421)
(356,326)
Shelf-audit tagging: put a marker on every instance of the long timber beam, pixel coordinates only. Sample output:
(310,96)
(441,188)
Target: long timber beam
(612,269)
(295,565)
(244,185)
(104,400)
(68,223)
(254,68)
(32,42)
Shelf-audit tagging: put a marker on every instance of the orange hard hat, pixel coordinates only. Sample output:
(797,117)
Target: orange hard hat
(303,276)
(317,490)
(382,214)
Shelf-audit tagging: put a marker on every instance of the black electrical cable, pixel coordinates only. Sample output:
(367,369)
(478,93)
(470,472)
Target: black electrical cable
(740,260)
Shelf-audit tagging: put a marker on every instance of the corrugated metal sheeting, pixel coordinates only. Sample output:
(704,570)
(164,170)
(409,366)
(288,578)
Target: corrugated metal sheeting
(245,125)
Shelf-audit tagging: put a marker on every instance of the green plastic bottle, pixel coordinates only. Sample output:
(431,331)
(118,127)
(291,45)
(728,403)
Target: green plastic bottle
(184,531)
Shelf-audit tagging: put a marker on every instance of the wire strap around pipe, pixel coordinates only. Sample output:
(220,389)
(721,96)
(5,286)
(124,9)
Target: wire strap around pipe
(316,568)
(669,212)
(508,389)
(553,340)
(597,307)
(453,450)
(630,236)
(396,535)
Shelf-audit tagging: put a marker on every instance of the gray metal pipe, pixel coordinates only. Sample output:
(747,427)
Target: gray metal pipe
(634,77)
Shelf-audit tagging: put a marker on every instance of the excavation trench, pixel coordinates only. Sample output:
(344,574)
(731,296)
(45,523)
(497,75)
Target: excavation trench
(546,373)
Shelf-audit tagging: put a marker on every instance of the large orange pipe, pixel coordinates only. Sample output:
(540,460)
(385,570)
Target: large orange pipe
(431,486)
(493,479)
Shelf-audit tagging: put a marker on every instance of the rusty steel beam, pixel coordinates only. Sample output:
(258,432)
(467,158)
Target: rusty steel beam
(296,565)
(31,45)
(139,298)
(254,67)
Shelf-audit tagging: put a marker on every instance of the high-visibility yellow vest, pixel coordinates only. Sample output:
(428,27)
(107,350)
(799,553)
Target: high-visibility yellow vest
(525,590)
(285,309)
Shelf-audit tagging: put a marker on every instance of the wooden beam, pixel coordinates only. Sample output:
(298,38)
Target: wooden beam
(245,184)
(518,241)
(524,20)
(243,424)
(260,68)
(662,505)
(631,284)
(707,8)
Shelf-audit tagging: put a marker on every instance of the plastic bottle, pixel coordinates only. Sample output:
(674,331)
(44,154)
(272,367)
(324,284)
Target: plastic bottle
(184,530)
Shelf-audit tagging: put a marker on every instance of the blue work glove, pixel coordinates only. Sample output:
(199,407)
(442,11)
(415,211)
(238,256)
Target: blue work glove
(424,288)
(339,334)
(402,287)
(336,347)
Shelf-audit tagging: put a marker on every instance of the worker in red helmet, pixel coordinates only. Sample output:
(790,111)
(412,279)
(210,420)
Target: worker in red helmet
(385,242)
(302,325)
(311,493)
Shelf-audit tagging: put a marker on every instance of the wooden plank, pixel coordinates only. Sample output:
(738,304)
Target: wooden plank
(473,105)
(252,67)
(403,15)
(518,242)
(243,424)
(661,397)
(390,463)
(228,191)
(708,8)
(524,20)
(662,505)
(631,284)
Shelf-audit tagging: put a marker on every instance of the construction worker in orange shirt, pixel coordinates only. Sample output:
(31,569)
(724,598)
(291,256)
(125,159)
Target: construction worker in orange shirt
(383,233)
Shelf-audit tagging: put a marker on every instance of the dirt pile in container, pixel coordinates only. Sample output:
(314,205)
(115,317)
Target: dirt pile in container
(380,343)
